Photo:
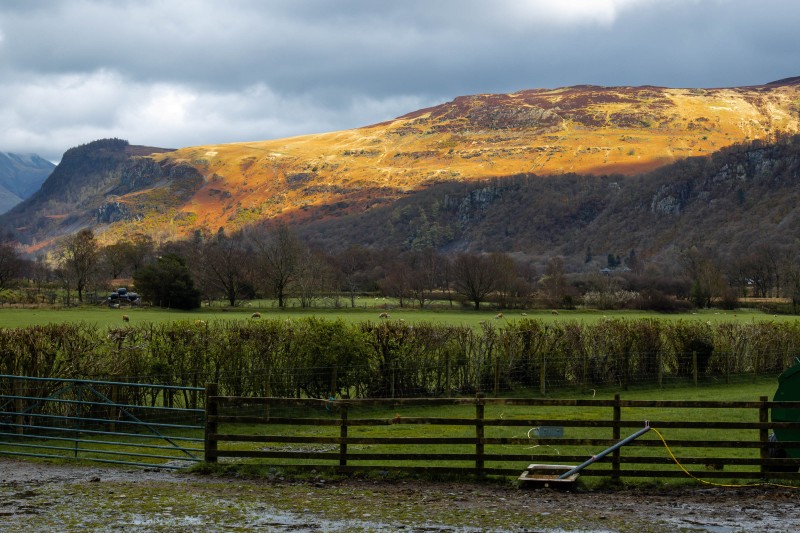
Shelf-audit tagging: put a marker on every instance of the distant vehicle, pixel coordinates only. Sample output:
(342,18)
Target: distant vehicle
(122,297)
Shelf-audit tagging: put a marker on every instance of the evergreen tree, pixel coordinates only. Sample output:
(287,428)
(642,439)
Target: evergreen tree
(167,283)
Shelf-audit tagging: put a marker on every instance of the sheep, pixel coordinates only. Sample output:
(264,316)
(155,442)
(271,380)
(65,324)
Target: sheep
(383,315)
(524,314)
(256,315)
(126,318)
(553,312)
(498,316)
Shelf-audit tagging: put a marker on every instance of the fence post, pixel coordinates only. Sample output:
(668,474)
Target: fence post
(763,433)
(333,382)
(727,368)
(212,410)
(615,435)
(660,369)
(543,375)
(479,414)
(497,375)
(391,385)
(447,375)
(694,368)
(343,435)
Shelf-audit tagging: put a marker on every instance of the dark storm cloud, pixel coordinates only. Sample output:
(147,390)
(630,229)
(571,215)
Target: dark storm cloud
(183,72)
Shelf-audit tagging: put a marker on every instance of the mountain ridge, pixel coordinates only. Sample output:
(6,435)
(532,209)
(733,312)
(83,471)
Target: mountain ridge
(591,130)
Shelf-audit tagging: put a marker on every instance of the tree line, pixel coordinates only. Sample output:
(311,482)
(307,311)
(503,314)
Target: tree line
(273,262)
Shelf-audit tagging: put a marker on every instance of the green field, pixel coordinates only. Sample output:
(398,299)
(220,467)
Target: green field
(744,391)
(750,391)
(14,317)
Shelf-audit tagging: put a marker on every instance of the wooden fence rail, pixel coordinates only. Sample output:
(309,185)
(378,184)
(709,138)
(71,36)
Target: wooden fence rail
(498,436)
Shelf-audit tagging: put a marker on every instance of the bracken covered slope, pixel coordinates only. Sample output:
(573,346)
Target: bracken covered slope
(584,130)
(547,132)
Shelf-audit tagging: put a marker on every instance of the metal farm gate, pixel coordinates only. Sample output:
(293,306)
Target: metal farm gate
(159,426)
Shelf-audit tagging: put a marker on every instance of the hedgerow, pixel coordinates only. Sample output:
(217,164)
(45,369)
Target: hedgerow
(313,357)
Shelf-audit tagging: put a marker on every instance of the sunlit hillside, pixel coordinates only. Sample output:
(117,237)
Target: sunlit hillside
(546,132)
(587,130)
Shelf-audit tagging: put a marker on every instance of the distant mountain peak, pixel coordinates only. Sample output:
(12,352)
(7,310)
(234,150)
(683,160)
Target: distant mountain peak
(21,175)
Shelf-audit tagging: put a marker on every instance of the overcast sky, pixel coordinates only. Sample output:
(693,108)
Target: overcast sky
(175,73)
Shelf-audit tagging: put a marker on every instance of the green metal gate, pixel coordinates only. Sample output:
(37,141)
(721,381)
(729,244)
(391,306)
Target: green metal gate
(152,425)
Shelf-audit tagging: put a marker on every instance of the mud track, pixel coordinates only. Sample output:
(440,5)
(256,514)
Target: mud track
(55,497)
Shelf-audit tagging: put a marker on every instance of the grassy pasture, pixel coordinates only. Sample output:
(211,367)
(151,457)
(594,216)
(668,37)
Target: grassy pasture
(745,391)
(750,391)
(13,317)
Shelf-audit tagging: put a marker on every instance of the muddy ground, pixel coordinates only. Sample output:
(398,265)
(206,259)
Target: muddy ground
(56,497)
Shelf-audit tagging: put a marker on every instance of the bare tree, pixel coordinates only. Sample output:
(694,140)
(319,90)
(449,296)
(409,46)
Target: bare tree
(353,264)
(707,280)
(113,259)
(140,251)
(554,282)
(397,282)
(428,269)
(10,263)
(277,255)
(79,257)
(475,277)
(313,277)
(226,265)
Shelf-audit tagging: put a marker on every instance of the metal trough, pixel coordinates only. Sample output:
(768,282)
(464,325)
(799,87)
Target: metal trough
(546,475)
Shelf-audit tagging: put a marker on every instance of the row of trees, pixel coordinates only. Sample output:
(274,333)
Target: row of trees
(275,263)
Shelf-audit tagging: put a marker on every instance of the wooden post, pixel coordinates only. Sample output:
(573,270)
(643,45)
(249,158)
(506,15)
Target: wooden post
(391,390)
(212,410)
(694,368)
(727,368)
(479,414)
(543,376)
(763,433)
(660,369)
(447,375)
(343,435)
(615,435)
(497,375)
(333,383)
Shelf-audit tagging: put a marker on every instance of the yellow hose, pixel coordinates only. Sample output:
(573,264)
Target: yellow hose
(675,459)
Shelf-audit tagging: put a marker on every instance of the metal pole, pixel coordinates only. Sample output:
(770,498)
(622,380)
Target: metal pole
(605,452)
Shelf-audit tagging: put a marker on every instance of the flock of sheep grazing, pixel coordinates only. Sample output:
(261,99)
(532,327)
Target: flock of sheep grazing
(256,315)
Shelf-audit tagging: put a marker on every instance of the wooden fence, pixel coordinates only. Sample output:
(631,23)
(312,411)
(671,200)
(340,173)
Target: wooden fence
(500,436)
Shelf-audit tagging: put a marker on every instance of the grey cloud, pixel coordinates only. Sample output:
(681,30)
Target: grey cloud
(75,70)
